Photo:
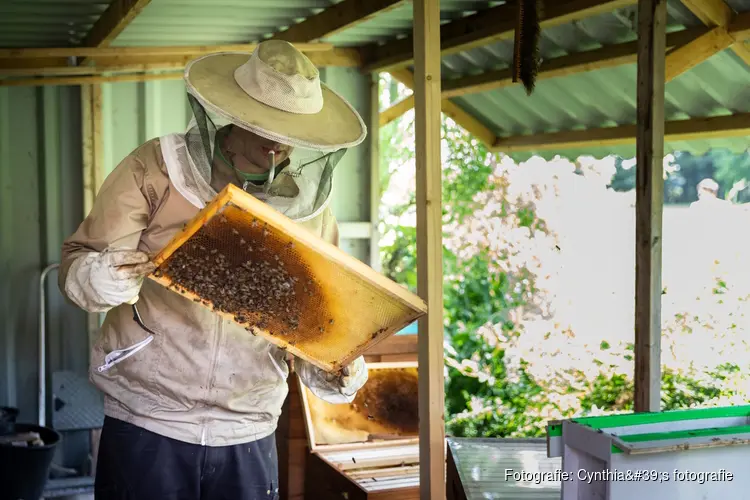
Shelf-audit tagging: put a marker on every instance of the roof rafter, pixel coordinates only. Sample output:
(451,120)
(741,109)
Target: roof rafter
(484,27)
(458,115)
(579,62)
(683,58)
(338,17)
(113,21)
(677,130)
(716,13)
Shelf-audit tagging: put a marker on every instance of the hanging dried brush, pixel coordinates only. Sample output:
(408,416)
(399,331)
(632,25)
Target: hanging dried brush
(526,48)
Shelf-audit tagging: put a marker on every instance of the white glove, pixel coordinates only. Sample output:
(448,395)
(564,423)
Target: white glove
(97,282)
(335,388)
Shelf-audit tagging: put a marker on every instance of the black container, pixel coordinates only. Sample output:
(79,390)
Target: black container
(24,471)
(7,419)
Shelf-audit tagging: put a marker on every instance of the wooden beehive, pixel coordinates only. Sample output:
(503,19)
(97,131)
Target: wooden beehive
(368,449)
(249,263)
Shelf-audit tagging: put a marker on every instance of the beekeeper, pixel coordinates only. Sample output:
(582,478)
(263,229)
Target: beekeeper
(191,410)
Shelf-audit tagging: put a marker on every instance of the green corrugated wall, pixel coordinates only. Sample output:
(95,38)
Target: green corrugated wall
(40,204)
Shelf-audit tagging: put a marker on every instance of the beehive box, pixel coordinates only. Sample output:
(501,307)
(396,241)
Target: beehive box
(685,454)
(368,449)
(249,263)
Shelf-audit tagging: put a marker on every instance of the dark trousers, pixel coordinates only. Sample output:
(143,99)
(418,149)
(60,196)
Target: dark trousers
(135,464)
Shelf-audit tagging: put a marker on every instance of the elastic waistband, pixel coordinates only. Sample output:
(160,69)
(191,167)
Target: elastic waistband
(189,432)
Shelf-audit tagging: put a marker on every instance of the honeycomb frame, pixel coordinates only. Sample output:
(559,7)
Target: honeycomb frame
(341,307)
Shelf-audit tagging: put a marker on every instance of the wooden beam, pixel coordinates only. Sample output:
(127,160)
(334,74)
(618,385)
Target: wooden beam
(468,122)
(60,69)
(87,152)
(580,62)
(88,80)
(429,248)
(742,51)
(458,115)
(710,12)
(390,114)
(485,27)
(716,127)
(740,26)
(341,16)
(375,262)
(649,200)
(113,21)
(131,64)
(189,51)
(717,13)
(683,58)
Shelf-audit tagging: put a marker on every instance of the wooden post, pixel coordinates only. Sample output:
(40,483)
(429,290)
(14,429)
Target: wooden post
(429,247)
(375,171)
(652,19)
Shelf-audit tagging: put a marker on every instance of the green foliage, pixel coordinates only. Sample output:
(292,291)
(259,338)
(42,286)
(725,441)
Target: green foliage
(492,387)
(730,171)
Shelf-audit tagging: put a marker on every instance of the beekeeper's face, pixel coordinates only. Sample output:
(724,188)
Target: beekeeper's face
(257,149)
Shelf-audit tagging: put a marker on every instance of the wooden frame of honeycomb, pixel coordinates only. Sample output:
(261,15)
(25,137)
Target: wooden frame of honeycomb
(252,265)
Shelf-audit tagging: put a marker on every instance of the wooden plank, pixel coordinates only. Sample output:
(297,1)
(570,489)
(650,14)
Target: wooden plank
(88,80)
(710,12)
(97,66)
(740,26)
(97,124)
(652,20)
(390,114)
(427,104)
(468,122)
(677,130)
(323,480)
(580,62)
(458,115)
(337,274)
(375,195)
(683,58)
(113,21)
(484,27)
(87,154)
(742,51)
(179,50)
(397,358)
(355,230)
(335,19)
(395,344)
(718,13)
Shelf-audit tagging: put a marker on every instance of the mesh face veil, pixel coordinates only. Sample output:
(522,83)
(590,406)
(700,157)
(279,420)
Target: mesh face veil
(299,188)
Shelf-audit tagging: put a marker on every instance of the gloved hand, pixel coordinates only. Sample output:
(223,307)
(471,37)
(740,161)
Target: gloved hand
(335,388)
(98,282)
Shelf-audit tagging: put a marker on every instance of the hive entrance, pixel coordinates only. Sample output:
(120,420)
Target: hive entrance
(250,264)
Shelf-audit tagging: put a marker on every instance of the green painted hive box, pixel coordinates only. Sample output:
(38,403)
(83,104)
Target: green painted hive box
(686,454)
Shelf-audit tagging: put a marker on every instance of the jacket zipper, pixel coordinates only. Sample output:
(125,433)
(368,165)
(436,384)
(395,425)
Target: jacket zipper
(212,370)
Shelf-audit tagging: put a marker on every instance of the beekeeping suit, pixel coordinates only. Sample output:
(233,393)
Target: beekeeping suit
(193,385)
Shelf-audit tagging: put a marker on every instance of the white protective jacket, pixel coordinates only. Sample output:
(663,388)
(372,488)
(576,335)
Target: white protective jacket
(201,379)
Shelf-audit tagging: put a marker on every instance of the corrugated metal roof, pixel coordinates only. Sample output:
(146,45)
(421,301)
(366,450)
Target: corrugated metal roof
(188,22)
(40,23)
(606,97)
(587,100)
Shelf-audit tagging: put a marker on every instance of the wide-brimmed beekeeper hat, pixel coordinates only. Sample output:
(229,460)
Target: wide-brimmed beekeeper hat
(276,93)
